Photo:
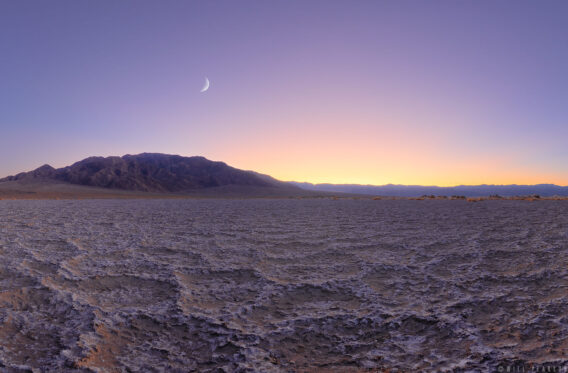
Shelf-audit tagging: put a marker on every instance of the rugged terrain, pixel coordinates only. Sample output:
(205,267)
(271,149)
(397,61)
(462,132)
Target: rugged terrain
(130,175)
(283,286)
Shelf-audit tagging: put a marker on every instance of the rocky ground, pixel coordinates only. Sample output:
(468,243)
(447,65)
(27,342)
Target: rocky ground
(282,285)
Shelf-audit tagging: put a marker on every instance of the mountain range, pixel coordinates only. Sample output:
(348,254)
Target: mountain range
(544,190)
(155,173)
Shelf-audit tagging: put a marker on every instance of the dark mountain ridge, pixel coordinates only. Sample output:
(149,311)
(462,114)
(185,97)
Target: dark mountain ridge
(163,173)
(151,172)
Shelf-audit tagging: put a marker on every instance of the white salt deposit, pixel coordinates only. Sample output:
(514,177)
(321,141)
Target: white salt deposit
(282,285)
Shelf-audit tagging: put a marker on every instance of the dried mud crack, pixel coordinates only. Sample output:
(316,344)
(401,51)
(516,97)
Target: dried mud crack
(282,285)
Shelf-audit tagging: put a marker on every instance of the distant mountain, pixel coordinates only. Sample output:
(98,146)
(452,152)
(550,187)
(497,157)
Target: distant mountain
(164,173)
(545,190)
(153,172)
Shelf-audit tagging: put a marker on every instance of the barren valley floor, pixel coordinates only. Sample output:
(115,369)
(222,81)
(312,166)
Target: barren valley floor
(282,285)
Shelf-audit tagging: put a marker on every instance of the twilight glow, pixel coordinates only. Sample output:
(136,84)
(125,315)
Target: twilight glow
(373,92)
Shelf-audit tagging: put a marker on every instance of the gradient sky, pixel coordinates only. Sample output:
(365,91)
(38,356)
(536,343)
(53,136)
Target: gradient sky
(377,92)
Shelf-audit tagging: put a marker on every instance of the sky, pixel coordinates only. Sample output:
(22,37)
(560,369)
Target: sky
(370,92)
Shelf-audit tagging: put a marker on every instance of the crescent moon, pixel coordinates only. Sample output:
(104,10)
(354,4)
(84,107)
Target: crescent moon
(205,86)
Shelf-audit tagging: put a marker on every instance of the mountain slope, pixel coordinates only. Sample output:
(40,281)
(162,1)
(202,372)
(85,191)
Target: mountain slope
(151,172)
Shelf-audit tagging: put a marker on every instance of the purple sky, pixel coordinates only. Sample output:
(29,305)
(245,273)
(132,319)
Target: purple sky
(414,92)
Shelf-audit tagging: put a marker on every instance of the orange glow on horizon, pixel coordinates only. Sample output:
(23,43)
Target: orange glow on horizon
(337,155)
(325,173)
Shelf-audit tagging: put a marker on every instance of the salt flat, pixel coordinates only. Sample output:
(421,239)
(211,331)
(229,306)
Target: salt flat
(282,285)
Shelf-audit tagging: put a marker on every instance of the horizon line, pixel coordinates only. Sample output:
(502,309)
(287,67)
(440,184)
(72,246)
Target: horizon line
(425,185)
(306,182)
